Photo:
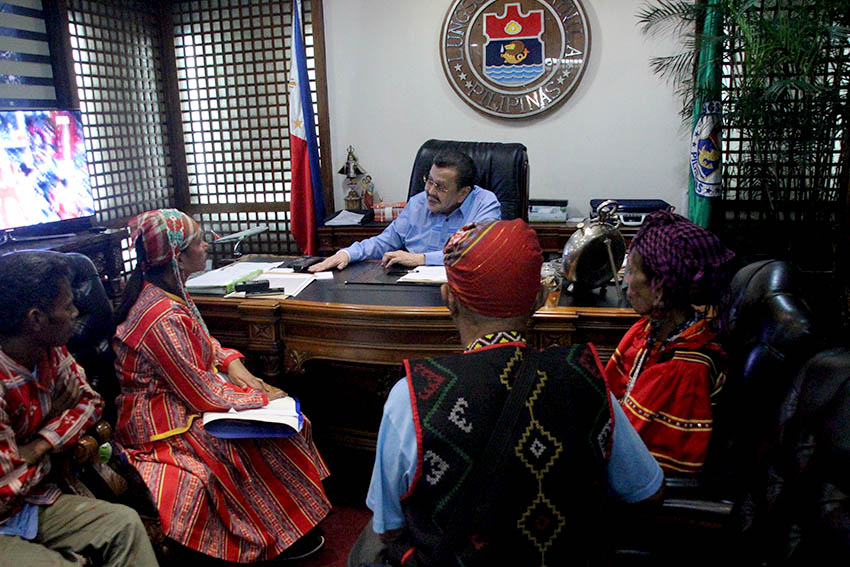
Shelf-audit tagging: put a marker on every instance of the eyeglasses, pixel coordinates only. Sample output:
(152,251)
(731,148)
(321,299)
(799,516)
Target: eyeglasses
(427,180)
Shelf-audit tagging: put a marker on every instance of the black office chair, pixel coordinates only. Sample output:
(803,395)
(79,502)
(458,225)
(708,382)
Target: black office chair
(94,329)
(776,484)
(787,434)
(86,470)
(501,168)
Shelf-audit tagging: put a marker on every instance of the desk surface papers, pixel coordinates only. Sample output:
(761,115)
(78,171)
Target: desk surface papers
(223,280)
(425,274)
(345,218)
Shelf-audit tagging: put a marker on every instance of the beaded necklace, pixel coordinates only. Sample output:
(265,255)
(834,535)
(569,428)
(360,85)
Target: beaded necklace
(651,340)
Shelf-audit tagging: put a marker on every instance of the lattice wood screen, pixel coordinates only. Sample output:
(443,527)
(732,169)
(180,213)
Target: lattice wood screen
(232,59)
(787,207)
(118,68)
(26,75)
(224,158)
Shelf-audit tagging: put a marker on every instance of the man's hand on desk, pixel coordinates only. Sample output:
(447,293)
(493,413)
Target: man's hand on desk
(338,261)
(402,258)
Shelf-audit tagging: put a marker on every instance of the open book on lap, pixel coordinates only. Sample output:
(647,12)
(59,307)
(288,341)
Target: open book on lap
(280,418)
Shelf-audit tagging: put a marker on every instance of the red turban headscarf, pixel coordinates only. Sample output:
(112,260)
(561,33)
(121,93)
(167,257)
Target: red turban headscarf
(494,267)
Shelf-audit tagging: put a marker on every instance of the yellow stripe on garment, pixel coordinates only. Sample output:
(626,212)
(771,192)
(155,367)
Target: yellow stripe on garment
(693,356)
(175,297)
(468,247)
(683,466)
(176,431)
(649,414)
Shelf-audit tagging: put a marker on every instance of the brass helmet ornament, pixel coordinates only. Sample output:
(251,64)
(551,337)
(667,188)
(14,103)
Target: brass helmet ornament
(595,251)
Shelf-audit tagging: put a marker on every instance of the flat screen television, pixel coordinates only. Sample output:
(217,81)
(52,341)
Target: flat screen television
(44,178)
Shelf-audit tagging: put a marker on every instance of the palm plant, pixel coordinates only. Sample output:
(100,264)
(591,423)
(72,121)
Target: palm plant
(785,67)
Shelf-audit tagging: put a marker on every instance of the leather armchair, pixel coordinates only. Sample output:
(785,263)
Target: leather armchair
(501,168)
(776,486)
(788,434)
(93,333)
(96,467)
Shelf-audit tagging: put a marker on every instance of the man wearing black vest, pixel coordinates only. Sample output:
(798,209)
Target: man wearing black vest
(502,455)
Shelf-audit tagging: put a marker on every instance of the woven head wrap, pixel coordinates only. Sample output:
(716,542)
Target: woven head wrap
(689,262)
(494,267)
(163,233)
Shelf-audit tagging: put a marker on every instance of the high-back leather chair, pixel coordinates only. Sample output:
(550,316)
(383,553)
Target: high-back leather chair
(86,472)
(786,435)
(91,342)
(776,485)
(500,168)
(768,332)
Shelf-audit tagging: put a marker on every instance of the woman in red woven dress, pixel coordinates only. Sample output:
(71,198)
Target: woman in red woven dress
(668,369)
(238,500)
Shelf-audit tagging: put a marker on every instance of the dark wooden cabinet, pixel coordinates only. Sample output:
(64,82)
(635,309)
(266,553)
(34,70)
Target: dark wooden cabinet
(104,249)
(552,236)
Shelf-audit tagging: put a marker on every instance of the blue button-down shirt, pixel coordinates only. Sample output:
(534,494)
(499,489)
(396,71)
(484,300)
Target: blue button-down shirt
(418,230)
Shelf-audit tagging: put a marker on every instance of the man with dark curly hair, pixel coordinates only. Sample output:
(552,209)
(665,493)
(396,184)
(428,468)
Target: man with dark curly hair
(45,406)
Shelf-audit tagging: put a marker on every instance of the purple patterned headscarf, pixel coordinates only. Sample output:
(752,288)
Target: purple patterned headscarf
(688,262)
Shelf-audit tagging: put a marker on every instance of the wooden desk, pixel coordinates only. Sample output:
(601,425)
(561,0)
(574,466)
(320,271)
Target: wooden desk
(384,324)
(338,346)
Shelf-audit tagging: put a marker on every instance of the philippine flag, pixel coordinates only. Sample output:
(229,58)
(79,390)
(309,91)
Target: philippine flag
(306,201)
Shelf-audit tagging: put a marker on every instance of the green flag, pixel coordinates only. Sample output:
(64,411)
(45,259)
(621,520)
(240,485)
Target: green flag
(704,187)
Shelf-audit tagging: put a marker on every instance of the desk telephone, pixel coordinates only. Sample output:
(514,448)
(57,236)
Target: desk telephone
(301,263)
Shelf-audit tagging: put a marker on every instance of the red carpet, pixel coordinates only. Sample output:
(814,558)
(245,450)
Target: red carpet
(341,528)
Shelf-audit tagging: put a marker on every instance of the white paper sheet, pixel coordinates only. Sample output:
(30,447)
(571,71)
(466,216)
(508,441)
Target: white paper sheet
(345,218)
(426,274)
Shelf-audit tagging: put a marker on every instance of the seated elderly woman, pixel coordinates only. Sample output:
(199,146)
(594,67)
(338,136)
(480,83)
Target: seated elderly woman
(668,369)
(239,500)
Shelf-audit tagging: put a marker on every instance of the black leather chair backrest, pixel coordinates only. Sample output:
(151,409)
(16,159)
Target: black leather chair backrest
(768,329)
(768,332)
(807,493)
(91,342)
(501,168)
(790,448)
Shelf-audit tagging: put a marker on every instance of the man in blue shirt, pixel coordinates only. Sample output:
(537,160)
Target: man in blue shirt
(450,200)
(571,446)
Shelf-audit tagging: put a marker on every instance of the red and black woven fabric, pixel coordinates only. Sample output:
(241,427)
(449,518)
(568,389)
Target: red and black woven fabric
(546,506)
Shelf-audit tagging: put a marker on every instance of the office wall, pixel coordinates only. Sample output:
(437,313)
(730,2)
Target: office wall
(619,135)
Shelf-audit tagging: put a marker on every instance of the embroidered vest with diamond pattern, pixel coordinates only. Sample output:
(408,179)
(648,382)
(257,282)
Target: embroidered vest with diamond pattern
(546,508)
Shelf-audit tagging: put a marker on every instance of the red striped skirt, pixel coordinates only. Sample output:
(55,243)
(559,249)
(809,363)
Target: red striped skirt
(238,500)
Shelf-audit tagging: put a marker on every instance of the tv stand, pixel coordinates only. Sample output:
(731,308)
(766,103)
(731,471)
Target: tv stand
(8,237)
(104,249)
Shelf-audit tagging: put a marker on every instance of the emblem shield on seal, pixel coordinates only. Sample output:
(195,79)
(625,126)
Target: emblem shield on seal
(514,48)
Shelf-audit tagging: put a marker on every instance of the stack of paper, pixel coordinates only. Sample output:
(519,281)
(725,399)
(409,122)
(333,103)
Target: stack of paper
(345,218)
(223,280)
(288,284)
(279,418)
